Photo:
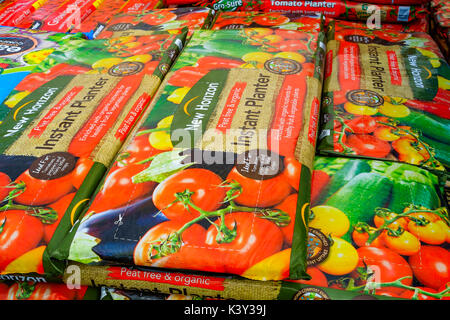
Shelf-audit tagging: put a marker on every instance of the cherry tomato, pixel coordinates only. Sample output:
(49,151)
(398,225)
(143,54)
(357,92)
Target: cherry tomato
(361,238)
(81,170)
(430,233)
(362,124)
(357,109)
(29,262)
(292,171)
(386,133)
(60,206)
(385,265)
(5,180)
(260,193)
(289,205)
(341,259)
(274,267)
(329,220)
(368,145)
(431,266)
(20,233)
(409,294)
(119,190)
(41,192)
(380,221)
(405,244)
(205,186)
(256,239)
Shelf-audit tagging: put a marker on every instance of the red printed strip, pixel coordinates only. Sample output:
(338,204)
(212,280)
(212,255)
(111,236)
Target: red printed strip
(287,121)
(313,121)
(350,70)
(11,10)
(67,15)
(104,116)
(37,131)
(178,279)
(228,112)
(133,115)
(394,70)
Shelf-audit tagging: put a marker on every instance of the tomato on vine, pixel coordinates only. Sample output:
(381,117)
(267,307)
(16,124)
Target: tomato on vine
(254,240)
(260,193)
(203,186)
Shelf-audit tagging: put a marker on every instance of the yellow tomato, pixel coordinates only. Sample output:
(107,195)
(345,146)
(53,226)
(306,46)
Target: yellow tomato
(165,122)
(260,57)
(443,83)
(360,110)
(291,55)
(446,229)
(386,134)
(431,233)
(274,267)
(106,63)
(405,244)
(178,95)
(342,258)
(394,110)
(160,140)
(144,58)
(329,220)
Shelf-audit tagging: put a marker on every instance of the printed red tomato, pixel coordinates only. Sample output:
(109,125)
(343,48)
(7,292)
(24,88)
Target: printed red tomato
(291,45)
(291,34)
(292,171)
(204,186)
(410,294)
(362,124)
(385,265)
(273,19)
(318,278)
(5,180)
(431,266)
(119,190)
(138,150)
(81,170)
(60,207)
(43,291)
(41,192)
(193,19)
(20,233)
(368,145)
(260,193)
(193,254)
(289,205)
(256,239)
(156,18)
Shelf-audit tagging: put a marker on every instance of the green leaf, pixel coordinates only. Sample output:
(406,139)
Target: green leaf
(163,165)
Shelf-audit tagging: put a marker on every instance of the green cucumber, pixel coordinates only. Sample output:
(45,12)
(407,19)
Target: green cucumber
(430,126)
(442,150)
(415,193)
(359,198)
(350,170)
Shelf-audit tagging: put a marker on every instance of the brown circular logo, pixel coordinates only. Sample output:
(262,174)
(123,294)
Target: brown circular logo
(283,66)
(126,68)
(318,247)
(364,97)
(311,293)
(259,164)
(52,166)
